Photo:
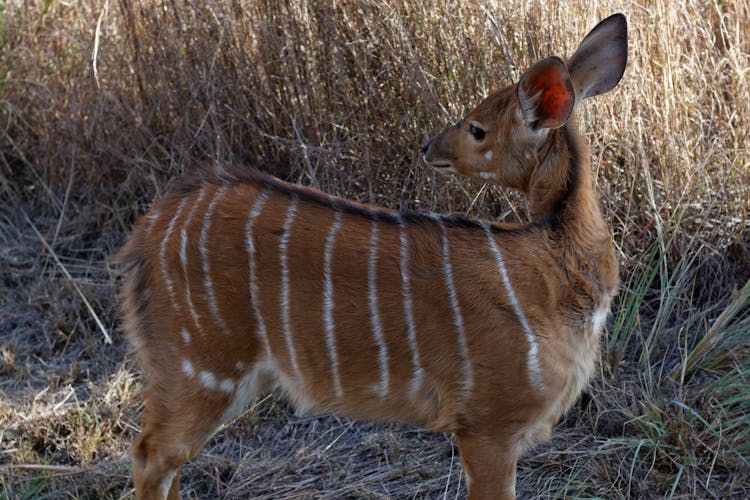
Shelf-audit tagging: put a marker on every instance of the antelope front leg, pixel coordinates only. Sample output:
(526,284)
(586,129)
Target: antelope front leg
(489,467)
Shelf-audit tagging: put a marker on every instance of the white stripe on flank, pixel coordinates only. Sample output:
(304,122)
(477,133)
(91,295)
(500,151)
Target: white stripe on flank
(458,320)
(328,303)
(418,372)
(163,254)
(207,282)
(254,289)
(285,321)
(183,260)
(377,330)
(532,362)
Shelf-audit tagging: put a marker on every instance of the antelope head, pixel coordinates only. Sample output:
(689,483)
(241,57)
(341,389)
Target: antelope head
(506,137)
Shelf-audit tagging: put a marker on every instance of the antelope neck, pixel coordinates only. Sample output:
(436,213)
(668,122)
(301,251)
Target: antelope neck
(560,186)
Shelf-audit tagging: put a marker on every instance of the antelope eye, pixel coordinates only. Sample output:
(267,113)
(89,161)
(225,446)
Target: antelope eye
(476,132)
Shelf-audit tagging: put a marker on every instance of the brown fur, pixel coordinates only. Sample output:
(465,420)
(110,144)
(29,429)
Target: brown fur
(202,369)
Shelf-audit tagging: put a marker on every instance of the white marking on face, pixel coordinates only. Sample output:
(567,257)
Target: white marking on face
(239,366)
(208,379)
(458,321)
(532,361)
(488,155)
(185,336)
(411,331)
(163,254)
(488,175)
(187,368)
(183,260)
(285,309)
(205,265)
(167,483)
(254,288)
(328,303)
(377,331)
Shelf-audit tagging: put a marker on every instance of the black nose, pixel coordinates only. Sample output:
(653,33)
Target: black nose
(425,147)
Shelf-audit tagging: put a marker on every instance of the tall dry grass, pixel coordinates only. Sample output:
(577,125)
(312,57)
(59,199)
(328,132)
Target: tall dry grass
(102,103)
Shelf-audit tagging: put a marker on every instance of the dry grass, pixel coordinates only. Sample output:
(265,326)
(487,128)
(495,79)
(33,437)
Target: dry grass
(340,95)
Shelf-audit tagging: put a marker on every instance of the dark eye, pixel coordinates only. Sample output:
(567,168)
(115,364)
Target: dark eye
(476,132)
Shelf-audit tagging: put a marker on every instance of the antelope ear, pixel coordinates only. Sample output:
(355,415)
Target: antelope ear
(599,62)
(546,94)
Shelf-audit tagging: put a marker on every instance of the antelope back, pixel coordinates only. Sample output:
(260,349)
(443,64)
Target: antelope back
(348,308)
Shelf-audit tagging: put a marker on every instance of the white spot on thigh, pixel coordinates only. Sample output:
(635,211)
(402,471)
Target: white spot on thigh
(167,483)
(185,336)
(488,175)
(488,155)
(187,367)
(239,366)
(227,385)
(208,380)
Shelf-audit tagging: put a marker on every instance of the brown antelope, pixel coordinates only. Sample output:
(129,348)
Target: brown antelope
(241,283)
